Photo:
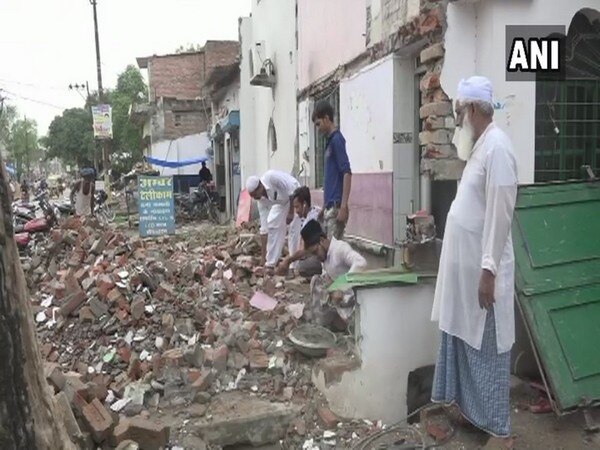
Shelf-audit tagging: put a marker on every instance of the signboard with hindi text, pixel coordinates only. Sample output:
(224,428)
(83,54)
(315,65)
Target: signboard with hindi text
(156,206)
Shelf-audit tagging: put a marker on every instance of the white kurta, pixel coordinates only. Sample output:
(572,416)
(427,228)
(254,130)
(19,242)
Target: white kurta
(477,237)
(273,211)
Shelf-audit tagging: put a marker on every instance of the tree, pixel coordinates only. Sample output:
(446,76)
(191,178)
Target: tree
(8,115)
(127,137)
(28,418)
(71,137)
(188,48)
(22,144)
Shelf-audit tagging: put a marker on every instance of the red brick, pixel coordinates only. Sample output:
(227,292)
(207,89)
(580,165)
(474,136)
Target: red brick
(204,380)
(150,435)
(55,375)
(138,308)
(86,314)
(105,284)
(435,109)
(58,289)
(430,81)
(81,275)
(122,315)
(98,420)
(165,292)
(124,353)
(72,302)
(431,21)
(329,419)
(98,390)
(258,359)
(434,52)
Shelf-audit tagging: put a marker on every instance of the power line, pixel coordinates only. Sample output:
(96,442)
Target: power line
(29,99)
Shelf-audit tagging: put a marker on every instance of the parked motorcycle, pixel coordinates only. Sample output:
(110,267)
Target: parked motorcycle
(201,204)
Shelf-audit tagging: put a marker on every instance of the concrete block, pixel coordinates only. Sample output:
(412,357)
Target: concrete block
(237,418)
(149,434)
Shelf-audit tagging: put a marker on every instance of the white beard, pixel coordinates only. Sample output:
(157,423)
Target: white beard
(464,139)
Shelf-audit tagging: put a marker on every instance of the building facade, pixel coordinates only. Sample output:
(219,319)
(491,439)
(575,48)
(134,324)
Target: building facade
(268,85)
(177,119)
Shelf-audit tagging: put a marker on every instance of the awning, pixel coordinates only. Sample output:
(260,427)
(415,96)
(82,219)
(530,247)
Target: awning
(557,253)
(175,164)
(227,124)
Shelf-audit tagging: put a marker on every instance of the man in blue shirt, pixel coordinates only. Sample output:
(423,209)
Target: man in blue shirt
(338,175)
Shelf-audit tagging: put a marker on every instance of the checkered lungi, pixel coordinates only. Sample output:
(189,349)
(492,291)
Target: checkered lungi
(477,381)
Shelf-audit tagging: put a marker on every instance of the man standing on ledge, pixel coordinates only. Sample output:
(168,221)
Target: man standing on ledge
(338,175)
(475,286)
(274,192)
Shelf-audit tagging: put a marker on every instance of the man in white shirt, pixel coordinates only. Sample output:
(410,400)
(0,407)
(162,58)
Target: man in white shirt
(475,285)
(298,259)
(274,192)
(338,257)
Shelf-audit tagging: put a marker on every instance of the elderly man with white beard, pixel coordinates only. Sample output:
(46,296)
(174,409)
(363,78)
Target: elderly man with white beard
(475,285)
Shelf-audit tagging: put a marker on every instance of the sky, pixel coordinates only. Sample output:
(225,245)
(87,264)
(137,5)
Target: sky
(45,45)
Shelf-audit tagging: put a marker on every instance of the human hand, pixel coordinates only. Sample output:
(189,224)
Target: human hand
(321,215)
(343,214)
(289,217)
(336,296)
(486,289)
(283,267)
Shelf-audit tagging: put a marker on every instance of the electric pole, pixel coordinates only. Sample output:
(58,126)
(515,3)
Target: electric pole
(105,142)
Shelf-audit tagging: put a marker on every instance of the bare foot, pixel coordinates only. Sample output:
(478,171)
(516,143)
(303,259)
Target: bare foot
(495,443)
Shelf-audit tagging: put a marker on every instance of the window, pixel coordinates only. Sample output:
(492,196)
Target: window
(272,137)
(567,129)
(177,120)
(321,141)
(567,113)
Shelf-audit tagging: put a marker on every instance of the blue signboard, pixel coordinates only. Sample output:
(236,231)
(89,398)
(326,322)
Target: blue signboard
(156,206)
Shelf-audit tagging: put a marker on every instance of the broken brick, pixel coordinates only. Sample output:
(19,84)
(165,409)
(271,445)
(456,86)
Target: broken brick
(98,420)
(105,284)
(258,359)
(329,419)
(138,308)
(150,435)
(72,302)
(203,381)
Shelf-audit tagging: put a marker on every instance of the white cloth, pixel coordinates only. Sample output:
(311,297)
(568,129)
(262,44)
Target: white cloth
(342,259)
(475,88)
(295,241)
(477,237)
(252,183)
(83,202)
(273,210)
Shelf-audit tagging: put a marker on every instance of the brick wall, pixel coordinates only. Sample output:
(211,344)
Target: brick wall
(438,154)
(183,75)
(179,76)
(177,80)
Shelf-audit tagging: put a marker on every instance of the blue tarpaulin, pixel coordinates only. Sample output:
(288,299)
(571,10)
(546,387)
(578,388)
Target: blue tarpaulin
(10,169)
(175,164)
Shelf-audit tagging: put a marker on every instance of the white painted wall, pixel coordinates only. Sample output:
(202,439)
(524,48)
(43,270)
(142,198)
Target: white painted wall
(330,33)
(306,139)
(397,337)
(273,24)
(475,44)
(247,103)
(367,117)
(187,147)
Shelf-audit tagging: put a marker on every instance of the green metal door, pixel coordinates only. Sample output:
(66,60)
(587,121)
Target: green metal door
(556,234)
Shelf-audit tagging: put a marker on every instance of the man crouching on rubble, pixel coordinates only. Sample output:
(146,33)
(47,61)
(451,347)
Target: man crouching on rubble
(333,309)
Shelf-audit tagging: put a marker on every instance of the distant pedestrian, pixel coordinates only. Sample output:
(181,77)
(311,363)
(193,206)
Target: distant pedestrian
(82,194)
(205,175)
(338,175)
(274,192)
(475,285)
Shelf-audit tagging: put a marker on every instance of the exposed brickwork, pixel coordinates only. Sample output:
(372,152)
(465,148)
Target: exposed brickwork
(177,85)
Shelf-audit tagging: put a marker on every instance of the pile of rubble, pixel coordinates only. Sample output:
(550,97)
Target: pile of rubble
(131,327)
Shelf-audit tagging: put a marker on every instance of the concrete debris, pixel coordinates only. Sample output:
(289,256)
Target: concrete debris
(137,326)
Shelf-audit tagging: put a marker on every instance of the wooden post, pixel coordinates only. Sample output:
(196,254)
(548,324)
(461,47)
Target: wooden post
(27,411)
